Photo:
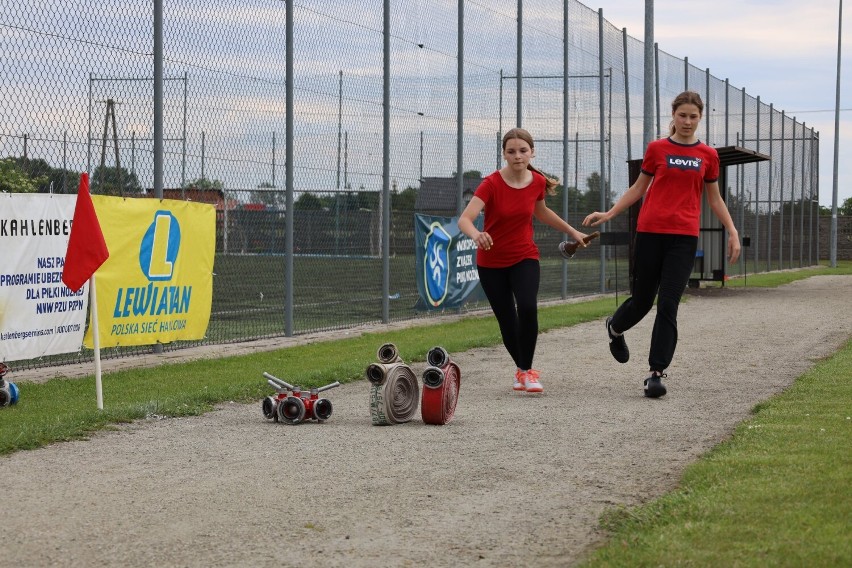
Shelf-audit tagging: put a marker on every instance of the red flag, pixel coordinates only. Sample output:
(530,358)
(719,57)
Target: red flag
(87,249)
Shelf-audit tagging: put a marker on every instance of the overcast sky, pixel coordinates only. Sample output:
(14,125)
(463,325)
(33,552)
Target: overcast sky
(784,51)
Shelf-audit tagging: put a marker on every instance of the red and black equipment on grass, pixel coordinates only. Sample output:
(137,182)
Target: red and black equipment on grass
(291,405)
(441,382)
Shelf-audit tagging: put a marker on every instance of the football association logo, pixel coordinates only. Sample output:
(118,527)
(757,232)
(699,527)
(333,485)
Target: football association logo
(436,269)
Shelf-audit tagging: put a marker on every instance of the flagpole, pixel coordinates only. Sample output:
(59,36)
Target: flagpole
(96,339)
(87,251)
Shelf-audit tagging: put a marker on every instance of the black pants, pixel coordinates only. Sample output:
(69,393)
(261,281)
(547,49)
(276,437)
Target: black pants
(661,268)
(513,295)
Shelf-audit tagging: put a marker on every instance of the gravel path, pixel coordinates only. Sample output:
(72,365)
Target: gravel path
(513,480)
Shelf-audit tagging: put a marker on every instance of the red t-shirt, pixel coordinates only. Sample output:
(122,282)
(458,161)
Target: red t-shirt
(672,204)
(508,219)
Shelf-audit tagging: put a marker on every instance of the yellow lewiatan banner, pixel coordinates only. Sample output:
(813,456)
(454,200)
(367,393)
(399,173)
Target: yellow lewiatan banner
(157,285)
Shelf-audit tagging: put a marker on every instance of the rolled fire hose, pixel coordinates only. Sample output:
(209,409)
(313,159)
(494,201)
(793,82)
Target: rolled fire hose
(441,382)
(394,390)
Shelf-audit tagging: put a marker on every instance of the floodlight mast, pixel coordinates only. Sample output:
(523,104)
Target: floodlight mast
(648,88)
(833,237)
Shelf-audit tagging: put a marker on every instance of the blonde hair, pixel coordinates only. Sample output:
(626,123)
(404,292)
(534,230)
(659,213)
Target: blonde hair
(686,98)
(521,134)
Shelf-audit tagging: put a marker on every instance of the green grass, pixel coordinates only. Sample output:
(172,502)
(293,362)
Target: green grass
(64,409)
(776,494)
(772,279)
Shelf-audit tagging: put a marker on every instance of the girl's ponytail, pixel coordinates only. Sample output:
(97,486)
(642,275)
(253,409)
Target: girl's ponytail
(550,182)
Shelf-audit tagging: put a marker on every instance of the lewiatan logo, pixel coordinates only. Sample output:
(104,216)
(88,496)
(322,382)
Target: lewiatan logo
(158,254)
(160,246)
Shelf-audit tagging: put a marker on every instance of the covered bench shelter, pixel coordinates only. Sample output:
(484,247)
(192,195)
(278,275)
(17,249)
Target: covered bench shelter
(712,239)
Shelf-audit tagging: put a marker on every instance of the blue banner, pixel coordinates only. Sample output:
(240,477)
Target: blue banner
(445,263)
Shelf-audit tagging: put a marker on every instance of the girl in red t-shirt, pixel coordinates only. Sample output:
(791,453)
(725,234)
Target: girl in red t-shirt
(506,256)
(675,171)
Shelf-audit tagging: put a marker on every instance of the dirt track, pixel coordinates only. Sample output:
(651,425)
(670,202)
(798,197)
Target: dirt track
(513,480)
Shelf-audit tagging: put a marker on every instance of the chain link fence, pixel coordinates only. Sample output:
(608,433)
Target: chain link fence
(393,111)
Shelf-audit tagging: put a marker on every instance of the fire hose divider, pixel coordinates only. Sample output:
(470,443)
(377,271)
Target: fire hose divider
(394,390)
(441,382)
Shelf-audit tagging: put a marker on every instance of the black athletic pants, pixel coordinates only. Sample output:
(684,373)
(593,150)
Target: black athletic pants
(513,295)
(661,268)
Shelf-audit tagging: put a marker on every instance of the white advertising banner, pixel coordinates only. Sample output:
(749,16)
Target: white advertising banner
(39,315)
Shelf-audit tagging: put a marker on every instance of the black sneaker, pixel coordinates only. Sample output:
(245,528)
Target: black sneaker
(654,387)
(617,345)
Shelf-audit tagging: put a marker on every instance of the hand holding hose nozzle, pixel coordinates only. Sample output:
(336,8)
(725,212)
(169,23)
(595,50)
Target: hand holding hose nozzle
(568,248)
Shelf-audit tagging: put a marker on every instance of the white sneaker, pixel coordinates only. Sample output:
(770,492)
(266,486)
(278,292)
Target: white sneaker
(531,381)
(519,384)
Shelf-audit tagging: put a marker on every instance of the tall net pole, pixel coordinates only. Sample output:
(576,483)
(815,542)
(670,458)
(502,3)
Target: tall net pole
(833,240)
(648,107)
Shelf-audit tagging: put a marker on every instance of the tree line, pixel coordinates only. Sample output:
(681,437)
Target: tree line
(34,175)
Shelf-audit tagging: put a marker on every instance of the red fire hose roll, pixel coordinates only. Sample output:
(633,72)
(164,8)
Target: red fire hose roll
(440,388)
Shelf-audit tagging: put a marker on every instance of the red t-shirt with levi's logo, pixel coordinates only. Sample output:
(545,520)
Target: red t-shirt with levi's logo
(672,204)
(509,220)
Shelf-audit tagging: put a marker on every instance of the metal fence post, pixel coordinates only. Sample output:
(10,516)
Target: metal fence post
(650,78)
(602,126)
(519,63)
(781,193)
(158,113)
(757,190)
(802,202)
(460,111)
(656,87)
(792,191)
(565,151)
(628,141)
(708,108)
(386,164)
(770,212)
(727,113)
(289,249)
